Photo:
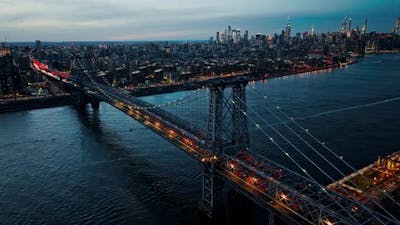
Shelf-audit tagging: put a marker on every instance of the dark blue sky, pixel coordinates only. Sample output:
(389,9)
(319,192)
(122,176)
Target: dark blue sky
(85,20)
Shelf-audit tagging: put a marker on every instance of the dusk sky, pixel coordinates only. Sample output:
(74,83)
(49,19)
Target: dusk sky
(86,20)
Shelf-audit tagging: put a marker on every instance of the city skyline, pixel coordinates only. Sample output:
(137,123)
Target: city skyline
(175,20)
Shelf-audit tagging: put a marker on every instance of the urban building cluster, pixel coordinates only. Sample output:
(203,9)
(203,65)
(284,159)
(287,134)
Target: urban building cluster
(16,75)
(133,64)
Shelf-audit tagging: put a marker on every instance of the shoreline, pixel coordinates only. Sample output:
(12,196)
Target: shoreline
(33,102)
(29,103)
(192,85)
(380,52)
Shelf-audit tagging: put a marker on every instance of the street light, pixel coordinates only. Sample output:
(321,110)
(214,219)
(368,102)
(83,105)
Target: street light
(327,222)
(284,196)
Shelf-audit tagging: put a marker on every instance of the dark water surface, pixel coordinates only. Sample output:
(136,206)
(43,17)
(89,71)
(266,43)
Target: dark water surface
(64,166)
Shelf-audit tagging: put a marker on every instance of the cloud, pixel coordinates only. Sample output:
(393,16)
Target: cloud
(24,20)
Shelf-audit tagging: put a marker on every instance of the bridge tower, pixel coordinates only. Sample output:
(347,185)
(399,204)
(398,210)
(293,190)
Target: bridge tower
(227,133)
(81,74)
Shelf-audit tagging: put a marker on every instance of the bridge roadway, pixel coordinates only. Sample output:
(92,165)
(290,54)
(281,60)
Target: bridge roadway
(292,197)
(176,130)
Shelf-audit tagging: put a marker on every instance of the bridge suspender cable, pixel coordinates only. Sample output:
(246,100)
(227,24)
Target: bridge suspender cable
(328,161)
(303,170)
(300,167)
(291,119)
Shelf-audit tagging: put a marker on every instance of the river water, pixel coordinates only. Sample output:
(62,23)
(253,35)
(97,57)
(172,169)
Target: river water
(65,166)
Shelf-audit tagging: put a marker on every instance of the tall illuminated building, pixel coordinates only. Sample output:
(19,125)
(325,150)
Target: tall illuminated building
(287,32)
(364,28)
(270,39)
(312,33)
(396,25)
(349,24)
(344,25)
(236,36)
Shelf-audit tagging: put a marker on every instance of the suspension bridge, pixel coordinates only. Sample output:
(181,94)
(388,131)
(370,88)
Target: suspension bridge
(220,143)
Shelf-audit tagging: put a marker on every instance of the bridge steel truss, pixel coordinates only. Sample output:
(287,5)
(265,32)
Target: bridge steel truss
(221,108)
(290,196)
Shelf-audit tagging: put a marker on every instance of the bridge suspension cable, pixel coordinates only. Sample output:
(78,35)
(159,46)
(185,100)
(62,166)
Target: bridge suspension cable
(303,169)
(388,100)
(179,101)
(328,161)
(323,144)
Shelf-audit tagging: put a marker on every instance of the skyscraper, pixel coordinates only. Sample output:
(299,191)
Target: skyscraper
(396,25)
(228,35)
(217,37)
(246,36)
(344,25)
(287,32)
(236,36)
(364,28)
(222,37)
(312,32)
(349,24)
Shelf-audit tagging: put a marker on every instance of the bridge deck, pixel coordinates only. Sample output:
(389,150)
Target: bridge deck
(174,129)
(364,184)
(292,195)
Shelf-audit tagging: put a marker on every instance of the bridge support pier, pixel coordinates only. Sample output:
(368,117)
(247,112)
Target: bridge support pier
(81,100)
(95,105)
(211,188)
(208,197)
(271,220)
